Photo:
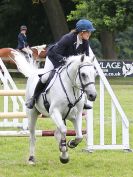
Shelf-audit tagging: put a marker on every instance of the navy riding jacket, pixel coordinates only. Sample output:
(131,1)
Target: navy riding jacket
(66,47)
(22,41)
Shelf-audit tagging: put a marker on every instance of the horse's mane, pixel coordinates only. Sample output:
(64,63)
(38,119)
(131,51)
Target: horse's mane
(77,59)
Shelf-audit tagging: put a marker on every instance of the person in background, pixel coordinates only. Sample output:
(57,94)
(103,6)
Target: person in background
(74,43)
(22,41)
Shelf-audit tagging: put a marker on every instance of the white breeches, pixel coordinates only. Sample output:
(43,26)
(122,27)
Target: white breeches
(47,68)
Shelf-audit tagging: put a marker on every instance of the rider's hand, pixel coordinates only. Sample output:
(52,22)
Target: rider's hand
(63,61)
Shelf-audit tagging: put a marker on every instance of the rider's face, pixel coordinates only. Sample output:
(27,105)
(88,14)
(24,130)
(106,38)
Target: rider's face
(85,35)
(23,31)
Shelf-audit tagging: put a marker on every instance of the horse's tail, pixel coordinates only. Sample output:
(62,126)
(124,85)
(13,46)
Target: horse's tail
(26,68)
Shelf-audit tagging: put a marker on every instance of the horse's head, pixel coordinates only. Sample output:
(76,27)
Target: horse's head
(85,74)
(39,51)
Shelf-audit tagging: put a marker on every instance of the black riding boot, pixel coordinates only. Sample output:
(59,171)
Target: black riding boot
(87,106)
(31,102)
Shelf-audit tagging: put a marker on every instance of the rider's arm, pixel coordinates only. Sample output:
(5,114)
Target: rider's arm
(60,47)
(21,40)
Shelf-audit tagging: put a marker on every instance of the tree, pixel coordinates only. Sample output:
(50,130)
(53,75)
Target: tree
(14,13)
(124,42)
(109,17)
(56,17)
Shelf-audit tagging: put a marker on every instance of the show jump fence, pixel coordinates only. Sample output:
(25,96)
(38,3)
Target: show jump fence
(17,101)
(115,105)
(16,94)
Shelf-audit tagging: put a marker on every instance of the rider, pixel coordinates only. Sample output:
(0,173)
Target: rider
(22,41)
(73,43)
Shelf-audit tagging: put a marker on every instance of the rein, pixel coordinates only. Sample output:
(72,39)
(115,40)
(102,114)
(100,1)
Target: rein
(71,105)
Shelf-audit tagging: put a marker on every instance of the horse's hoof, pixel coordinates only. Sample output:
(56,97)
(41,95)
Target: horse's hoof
(64,161)
(71,144)
(31,163)
(31,160)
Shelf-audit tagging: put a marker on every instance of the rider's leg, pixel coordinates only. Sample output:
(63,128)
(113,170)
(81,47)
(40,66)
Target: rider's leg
(28,54)
(39,87)
(41,84)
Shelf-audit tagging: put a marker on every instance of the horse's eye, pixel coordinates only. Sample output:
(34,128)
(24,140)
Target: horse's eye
(83,75)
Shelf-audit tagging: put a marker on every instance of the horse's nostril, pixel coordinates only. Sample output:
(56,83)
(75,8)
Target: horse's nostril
(91,96)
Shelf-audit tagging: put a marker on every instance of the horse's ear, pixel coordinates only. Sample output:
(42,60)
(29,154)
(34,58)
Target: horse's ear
(82,58)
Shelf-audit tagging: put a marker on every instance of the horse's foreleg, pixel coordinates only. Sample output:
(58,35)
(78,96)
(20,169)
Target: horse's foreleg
(32,123)
(57,118)
(61,130)
(77,123)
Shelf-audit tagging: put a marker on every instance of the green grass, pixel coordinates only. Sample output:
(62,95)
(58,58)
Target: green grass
(14,151)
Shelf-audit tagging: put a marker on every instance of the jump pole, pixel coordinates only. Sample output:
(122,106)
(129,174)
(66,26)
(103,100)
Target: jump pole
(41,133)
(12,92)
(12,115)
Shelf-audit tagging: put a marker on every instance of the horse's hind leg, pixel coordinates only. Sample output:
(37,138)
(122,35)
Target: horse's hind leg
(32,115)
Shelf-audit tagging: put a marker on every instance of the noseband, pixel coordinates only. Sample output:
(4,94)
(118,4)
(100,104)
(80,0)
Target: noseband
(83,86)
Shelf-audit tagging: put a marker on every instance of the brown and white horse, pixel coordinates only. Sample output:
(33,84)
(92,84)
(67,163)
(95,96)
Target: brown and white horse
(39,52)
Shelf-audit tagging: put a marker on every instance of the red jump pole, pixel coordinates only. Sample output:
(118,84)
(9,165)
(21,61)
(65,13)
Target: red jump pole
(69,133)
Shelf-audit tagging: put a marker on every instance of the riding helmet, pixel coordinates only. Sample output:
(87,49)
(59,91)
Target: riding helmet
(23,27)
(84,25)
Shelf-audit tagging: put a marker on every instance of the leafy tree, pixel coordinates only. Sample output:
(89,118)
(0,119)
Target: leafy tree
(109,17)
(124,43)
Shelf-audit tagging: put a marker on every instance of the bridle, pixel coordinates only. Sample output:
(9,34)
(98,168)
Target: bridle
(82,88)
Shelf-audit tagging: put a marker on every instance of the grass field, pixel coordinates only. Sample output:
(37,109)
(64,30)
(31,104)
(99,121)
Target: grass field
(14,151)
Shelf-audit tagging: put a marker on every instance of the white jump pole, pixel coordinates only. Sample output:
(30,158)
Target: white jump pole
(12,114)
(12,92)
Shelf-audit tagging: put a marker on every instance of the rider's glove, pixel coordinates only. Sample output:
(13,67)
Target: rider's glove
(63,61)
